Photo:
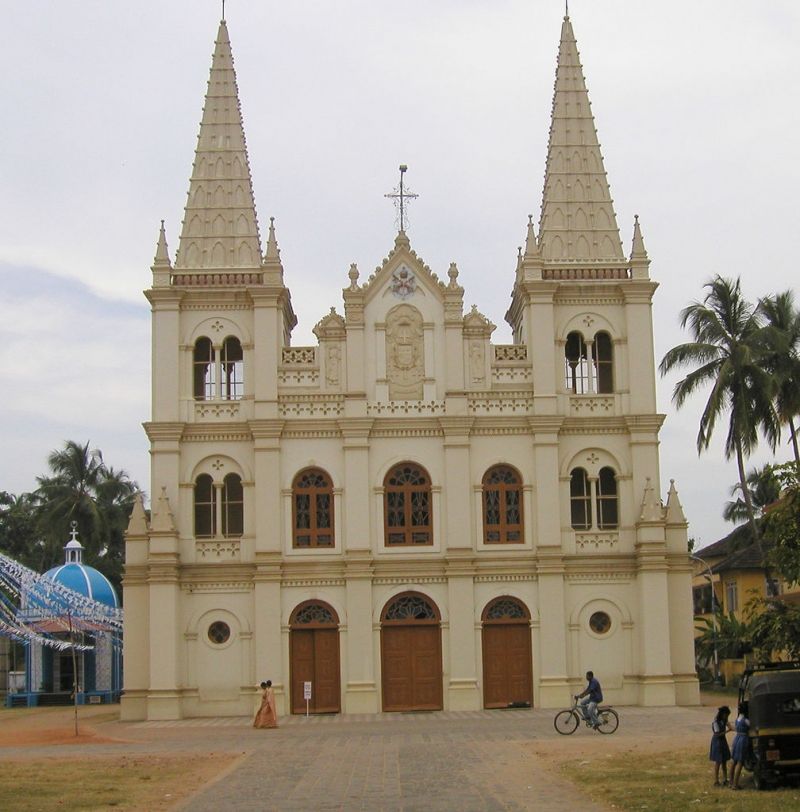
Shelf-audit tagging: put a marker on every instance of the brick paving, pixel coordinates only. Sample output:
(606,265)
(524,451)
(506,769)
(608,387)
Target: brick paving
(477,761)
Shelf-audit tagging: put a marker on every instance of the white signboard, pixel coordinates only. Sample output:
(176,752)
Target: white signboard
(306,691)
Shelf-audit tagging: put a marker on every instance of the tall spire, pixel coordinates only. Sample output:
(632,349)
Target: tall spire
(220,229)
(577,222)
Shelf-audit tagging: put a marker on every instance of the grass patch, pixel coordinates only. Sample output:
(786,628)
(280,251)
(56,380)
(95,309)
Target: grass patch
(671,782)
(125,783)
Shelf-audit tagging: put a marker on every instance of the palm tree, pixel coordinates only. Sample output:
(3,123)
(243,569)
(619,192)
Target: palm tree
(764,490)
(726,352)
(783,357)
(84,489)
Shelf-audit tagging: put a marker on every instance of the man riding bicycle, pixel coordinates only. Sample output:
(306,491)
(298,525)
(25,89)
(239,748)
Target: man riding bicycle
(590,699)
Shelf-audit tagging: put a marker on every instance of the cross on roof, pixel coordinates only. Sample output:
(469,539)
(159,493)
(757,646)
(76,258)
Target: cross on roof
(400,197)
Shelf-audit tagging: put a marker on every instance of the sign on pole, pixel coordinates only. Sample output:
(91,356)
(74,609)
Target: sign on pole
(307,694)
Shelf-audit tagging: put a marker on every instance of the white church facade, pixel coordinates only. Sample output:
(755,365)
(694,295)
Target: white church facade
(405,514)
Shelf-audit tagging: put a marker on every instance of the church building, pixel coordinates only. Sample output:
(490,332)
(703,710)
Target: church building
(405,515)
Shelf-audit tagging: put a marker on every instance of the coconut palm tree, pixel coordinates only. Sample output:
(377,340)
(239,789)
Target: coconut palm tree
(782,359)
(764,490)
(726,353)
(82,488)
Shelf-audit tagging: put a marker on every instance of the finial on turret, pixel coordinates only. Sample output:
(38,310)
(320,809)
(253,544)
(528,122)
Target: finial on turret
(272,252)
(162,251)
(531,248)
(353,275)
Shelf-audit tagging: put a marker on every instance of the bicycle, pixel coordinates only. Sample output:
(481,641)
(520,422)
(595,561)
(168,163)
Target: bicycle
(566,721)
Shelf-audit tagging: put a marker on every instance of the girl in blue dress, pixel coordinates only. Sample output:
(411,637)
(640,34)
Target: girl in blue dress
(741,747)
(719,752)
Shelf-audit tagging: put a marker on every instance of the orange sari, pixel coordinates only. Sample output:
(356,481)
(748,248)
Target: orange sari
(267,715)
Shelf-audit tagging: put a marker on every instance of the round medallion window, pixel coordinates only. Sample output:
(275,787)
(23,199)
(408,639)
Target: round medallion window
(219,632)
(600,623)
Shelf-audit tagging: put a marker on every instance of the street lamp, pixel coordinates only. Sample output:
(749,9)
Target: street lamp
(714,630)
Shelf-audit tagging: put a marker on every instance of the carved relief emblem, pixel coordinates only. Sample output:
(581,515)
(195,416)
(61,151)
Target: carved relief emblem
(405,364)
(333,364)
(404,283)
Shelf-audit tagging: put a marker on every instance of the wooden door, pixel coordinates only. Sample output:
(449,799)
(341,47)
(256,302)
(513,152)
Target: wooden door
(411,658)
(507,668)
(315,658)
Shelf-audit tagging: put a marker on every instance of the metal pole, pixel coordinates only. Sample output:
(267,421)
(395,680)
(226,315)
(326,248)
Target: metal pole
(714,630)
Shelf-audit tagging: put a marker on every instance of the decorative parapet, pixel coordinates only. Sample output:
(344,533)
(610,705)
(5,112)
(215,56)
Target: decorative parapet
(217,550)
(596,540)
(226,278)
(299,356)
(510,352)
(487,403)
(294,406)
(586,273)
(405,407)
(298,377)
(217,410)
(591,405)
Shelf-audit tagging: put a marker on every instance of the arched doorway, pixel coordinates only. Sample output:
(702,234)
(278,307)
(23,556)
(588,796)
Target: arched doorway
(411,654)
(507,662)
(314,657)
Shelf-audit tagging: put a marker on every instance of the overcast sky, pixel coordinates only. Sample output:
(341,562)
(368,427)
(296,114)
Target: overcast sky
(695,101)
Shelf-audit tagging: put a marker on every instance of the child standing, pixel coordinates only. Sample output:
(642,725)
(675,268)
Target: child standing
(741,747)
(720,753)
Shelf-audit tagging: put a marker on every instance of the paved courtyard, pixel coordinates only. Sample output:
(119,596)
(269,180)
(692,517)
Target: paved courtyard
(481,760)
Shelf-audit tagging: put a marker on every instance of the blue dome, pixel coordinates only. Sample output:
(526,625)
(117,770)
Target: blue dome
(86,580)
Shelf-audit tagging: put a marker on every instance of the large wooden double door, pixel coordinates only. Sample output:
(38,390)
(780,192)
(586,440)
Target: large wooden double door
(507,662)
(411,655)
(314,656)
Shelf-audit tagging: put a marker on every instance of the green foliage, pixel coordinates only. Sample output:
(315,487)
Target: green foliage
(730,636)
(764,490)
(726,354)
(775,629)
(79,487)
(782,524)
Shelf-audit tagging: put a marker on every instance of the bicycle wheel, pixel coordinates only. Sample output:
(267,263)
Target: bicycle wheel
(609,721)
(566,722)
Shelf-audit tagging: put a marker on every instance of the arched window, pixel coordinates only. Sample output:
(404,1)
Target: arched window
(218,375)
(502,506)
(205,368)
(407,506)
(232,506)
(604,363)
(232,368)
(205,507)
(580,500)
(312,509)
(607,506)
(576,364)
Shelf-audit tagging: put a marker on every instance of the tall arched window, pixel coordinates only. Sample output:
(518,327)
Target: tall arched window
(232,369)
(312,509)
(218,375)
(232,506)
(205,368)
(502,506)
(576,364)
(607,506)
(205,507)
(604,363)
(580,500)
(407,506)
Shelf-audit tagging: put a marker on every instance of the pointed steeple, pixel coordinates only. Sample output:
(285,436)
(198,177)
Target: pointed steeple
(137,524)
(162,520)
(273,252)
(675,514)
(531,246)
(577,224)
(220,228)
(161,267)
(640,262)
(652,510)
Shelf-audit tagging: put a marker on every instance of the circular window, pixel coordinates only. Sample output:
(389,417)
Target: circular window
(600,623)
(219,632)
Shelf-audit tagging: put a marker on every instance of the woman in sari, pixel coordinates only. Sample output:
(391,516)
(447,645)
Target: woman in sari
(267,715)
